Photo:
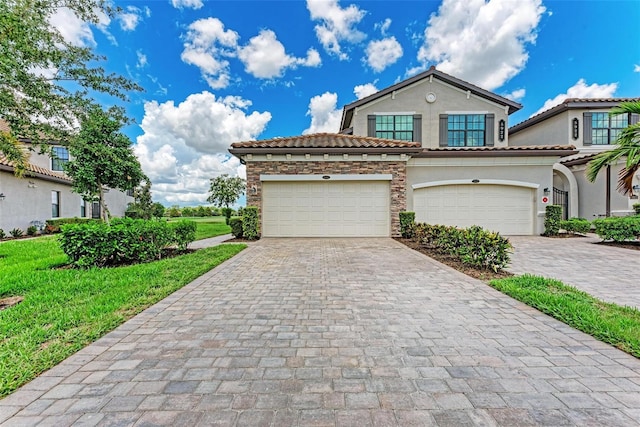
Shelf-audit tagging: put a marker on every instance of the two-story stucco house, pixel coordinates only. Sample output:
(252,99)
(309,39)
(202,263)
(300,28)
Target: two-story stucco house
(432,144)
(44,192)
(586,124)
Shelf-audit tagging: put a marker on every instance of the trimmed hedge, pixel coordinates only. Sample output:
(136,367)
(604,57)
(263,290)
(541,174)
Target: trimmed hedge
(576,226)
(407,221)
(124,241)
(618,229)
(53,225)
(250,223)
(473,246)
(552,218)
(236,227)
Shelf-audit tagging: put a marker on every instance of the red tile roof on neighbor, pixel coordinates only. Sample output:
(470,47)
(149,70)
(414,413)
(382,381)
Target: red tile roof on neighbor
(512,151)
(329,142)
(35,171)
(571,104)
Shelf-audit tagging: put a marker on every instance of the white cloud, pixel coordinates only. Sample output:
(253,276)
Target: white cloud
(362,91)
(190,4)
(142,59)
(382,53)
(581,90)
(383,26)
(206,45)
(73,29)
(132,16)
(516,95)
(336,25)
(185,145)
(325,117)
(265,57)
(479,41)
(636,68)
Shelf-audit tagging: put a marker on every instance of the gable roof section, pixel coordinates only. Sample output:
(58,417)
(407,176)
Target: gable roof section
(571,104)
(325,143)
(348,110)
(36,172)
(510,151)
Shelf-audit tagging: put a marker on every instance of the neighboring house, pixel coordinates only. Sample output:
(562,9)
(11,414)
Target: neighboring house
(432,144)
(44,192)
(586,124)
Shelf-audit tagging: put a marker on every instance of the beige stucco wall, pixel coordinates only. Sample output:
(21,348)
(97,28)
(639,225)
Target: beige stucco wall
(412,100)
(553,131)
(531,170)
(29,199)
(592,195)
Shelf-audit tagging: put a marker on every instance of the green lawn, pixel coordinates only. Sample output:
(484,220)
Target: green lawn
(610,323)
(65,309)
(211,226)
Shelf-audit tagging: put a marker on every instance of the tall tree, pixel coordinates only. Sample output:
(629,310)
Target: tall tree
(45,80)
(627,146)
(225,190)
(102,156)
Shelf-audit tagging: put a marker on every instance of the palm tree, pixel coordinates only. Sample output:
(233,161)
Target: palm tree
(627,145)
(14,151)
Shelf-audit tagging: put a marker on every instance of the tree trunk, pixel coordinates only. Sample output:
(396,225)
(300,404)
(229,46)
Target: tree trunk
(103,206)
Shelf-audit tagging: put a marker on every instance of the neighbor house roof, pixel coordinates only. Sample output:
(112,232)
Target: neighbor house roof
(35,171)
(571,104)
(348,110)
(512,151)
(325,143)
(578,159)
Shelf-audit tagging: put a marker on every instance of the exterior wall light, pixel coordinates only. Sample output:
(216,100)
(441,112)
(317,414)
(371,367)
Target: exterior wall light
(254,189)
(546,191)
(634,188)
(2,196)
(575,128)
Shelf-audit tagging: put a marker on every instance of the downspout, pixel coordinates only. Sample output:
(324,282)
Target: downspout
(608,192)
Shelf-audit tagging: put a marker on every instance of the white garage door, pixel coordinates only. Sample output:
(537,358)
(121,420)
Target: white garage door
(325,209)
(506,209)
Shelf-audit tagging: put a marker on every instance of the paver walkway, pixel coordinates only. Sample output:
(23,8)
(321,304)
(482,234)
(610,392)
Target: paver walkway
(606,272)
(336,332)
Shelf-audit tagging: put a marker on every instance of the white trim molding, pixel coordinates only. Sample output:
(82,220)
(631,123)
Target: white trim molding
(476,182)
(328,177)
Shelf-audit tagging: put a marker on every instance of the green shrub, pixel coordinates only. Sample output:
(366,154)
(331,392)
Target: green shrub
(53,225)
(227,215)
(184,233)
(16,232)
(2,234)
(124,241)
(552,218)
(618,229)
(407,219)
(32,230)
(636,208)
(236,227)
(576,225)
(473,246)
(250,223)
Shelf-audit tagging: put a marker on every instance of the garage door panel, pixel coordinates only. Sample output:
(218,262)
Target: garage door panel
(326,209)
(506,209)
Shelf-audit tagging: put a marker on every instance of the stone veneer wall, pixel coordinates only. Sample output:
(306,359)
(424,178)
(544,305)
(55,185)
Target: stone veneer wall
(398,170)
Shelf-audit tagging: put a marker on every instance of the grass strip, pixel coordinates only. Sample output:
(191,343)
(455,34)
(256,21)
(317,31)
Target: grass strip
(208,226)
(66,309)
(607,322)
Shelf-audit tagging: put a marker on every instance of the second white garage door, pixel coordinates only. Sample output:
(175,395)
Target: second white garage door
(503,208)
(325,209)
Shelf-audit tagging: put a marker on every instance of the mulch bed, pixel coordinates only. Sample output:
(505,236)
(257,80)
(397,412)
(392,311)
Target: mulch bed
(476,273)
(626,245)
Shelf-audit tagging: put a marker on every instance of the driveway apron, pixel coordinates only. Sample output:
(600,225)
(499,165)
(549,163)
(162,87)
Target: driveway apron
(336,332)
(609,273)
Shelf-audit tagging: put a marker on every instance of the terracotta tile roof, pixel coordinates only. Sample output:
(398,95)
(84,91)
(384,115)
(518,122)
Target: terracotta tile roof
(527,150)
(325,141)
(36,171)
(578,159)
(571,104)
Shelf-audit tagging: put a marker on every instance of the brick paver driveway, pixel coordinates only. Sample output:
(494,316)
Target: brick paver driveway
(336,332)
(606,272)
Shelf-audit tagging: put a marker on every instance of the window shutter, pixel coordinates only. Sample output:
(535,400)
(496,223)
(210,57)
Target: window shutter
(443,135)
(417,128)
(586,134)
(489,129)
(634,118)
(371,125)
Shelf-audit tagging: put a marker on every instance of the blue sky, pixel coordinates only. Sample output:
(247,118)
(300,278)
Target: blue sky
(216,72)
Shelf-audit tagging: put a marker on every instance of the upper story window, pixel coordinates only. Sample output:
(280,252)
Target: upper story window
(59,156)
(404,127)
(605,128)
(466,130)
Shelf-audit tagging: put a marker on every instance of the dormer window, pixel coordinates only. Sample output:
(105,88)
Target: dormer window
(466,130)
(59,156)
(605,128)
(403,127)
